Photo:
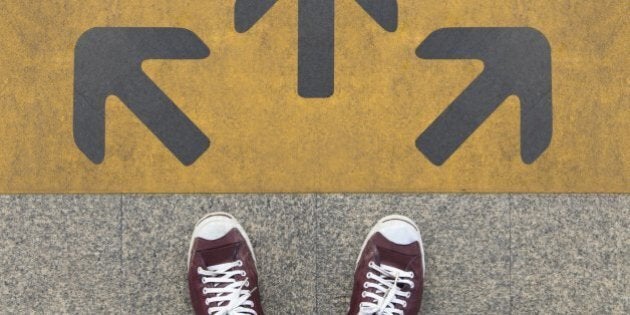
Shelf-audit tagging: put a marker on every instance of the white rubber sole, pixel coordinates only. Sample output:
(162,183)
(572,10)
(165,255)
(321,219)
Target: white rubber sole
(238,227)
(377,227)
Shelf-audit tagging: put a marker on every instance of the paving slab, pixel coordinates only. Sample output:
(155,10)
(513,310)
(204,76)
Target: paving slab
(466,239)
(570,254)
(60,254)
(157,232)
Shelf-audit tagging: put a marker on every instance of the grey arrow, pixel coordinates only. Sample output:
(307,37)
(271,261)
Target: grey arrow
(517,62)
(316,36)
(384,12)
(248,12)
(108,62)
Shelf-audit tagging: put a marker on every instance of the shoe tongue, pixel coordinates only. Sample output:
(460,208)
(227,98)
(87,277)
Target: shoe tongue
(394,259)
(219,255)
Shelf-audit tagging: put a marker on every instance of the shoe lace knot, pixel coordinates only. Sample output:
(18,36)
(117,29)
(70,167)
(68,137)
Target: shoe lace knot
(385,290)
(225,295)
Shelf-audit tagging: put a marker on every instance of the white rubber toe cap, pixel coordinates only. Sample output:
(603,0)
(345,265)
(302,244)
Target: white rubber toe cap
(399,231)
(215,227)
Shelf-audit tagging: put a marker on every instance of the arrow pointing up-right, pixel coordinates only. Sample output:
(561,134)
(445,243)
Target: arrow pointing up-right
(517,62)
(384,12)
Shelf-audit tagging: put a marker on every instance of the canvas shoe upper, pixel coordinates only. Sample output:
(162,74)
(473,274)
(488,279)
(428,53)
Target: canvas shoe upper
(390,270)
(222,277)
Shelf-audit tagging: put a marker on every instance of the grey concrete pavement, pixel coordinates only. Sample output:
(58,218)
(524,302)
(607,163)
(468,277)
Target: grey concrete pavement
(570,254)
(496,254)
(60,254)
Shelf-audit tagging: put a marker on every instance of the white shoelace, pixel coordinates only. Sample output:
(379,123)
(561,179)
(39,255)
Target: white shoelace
(388,296)
(230,299)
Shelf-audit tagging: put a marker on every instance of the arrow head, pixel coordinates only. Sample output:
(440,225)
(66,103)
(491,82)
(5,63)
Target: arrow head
(517,62)
(108,62)
(248,12)
(125,48)
(384,12)
(522,53)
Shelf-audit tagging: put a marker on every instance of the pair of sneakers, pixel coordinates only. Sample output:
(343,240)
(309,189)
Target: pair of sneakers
(222,275)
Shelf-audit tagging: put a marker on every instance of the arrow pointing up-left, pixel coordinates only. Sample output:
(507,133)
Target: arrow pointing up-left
(108,62)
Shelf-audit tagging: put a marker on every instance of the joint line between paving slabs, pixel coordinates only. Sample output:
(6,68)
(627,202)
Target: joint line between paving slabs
(122,256)
(316,214)
(510,264)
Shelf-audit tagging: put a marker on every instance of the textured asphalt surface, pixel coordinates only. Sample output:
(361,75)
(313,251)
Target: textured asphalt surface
(486,254)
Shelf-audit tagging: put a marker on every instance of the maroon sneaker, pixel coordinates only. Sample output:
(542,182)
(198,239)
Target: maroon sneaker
(390,270)
(222,276)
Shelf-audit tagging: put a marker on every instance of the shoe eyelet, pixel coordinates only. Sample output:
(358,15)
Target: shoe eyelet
(404,304)
(369,275)
(240,263)
(363,294)
(371,264)
(243,273)
(411,286)
(411,274)
(365,285)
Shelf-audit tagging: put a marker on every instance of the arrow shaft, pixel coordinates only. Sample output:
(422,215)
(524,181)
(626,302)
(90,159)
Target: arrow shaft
(165,120)
(449,131)
(316,48)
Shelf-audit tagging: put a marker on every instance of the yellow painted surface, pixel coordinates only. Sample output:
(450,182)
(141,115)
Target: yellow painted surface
(265,138)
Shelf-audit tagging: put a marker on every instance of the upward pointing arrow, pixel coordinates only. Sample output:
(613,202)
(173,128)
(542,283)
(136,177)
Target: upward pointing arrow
(316,36)
(517,62)
(108,62)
